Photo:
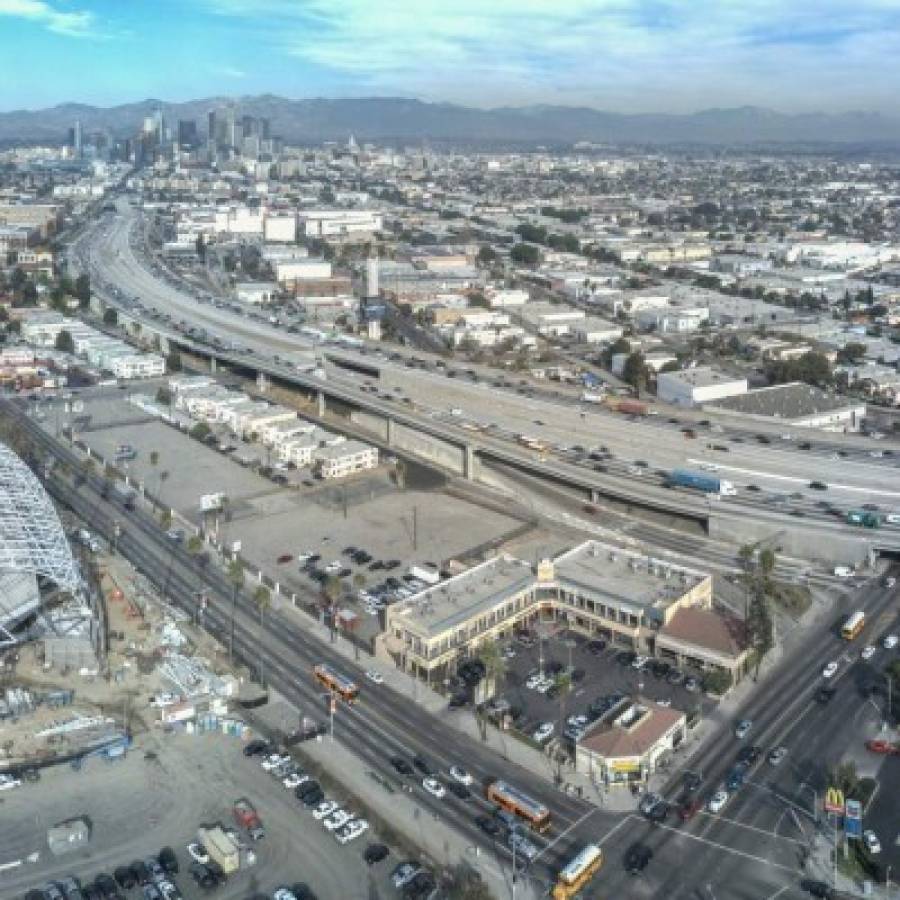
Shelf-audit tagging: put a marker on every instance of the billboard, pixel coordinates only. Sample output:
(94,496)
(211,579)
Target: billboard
(834,801)
(211,502)
(853,819)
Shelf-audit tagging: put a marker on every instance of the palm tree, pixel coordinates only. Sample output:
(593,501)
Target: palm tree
(262,599)
(494,666)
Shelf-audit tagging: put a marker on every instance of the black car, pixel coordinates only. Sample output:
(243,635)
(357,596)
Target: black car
(825,694)
(107,887)
(489,825)
(458,701)
(401,766)
(303,891)
(217,871)
(257,748)
(458,790)
(626,657)
(423,765)
(691,782)
(375,853)
(140,872)
(314,797)
(302,790)
(124,878)
(168,860)
(637,858)
(817,888)
(596,647)
(749,755)
(659,813)
(202,875)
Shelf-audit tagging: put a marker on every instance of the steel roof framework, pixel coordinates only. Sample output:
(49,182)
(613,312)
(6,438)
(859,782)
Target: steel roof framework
(31,536)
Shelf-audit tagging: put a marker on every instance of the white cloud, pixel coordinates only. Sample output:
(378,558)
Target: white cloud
(229,72)
(70,23)
(634,54)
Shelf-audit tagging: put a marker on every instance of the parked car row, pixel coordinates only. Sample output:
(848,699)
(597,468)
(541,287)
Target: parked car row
(153,876)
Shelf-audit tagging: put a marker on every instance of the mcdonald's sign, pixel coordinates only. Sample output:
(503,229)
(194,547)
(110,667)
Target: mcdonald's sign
(834,801)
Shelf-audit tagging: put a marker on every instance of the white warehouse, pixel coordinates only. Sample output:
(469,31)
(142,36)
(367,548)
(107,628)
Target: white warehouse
(691,387)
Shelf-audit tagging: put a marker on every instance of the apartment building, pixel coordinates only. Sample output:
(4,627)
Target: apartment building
(345,459)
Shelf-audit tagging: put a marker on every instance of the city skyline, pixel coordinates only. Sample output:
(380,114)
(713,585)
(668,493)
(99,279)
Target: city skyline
(627,56)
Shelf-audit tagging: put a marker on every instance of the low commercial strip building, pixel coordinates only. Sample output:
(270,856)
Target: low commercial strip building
(629,743)
(602,591)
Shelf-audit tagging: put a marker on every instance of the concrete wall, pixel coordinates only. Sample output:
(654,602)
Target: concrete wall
(832,547)
(441,453)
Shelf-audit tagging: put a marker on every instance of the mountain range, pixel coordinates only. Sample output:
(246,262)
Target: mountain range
(398,119)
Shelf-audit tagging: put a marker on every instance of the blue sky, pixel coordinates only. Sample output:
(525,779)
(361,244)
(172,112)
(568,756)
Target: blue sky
(628,55)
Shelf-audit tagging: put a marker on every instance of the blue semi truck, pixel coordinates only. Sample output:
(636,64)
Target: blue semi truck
(700,481)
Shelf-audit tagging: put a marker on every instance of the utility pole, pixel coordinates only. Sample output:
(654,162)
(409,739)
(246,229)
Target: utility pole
(415,527)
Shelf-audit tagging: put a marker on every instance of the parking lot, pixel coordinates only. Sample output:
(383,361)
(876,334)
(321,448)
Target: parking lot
(594,672)
(158,796)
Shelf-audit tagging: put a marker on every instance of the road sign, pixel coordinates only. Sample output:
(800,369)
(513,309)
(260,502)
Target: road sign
(834,801)
(853,818)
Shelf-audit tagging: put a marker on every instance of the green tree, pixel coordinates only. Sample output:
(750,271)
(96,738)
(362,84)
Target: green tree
(194,544)
(717,681)
(494,665)
(262,600)
(332,588)
(164,395)
(173,362)
(82,290)
(767,561)
(111,316)
(200,431)
(527,254)
(844,777)
(486,255)
(852,353)
(64,342)
(634,372)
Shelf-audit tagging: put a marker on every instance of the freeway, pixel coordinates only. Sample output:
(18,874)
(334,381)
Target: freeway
(382,724)
(772,479)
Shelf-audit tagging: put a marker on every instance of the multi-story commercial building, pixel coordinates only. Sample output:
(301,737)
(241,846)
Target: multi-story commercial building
(620,595)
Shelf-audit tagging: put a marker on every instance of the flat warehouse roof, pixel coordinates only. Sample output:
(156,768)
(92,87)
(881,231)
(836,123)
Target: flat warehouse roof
(787,401)
(628,578)
(467,595)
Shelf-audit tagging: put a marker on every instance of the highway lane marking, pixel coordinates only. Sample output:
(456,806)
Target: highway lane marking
(797,480)
(726,848)
(779,892)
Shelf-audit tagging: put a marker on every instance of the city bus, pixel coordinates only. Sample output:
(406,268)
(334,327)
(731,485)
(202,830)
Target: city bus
(531,811)
(577,873)
(853,626)
(344,687)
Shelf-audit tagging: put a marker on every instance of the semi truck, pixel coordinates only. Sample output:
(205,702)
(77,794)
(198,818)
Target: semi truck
(221,848)
(700,481)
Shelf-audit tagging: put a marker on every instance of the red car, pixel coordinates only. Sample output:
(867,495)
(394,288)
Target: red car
(880,746)
(284,558)
(689,809)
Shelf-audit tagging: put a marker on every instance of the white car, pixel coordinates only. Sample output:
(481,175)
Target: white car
(351,831)
(336,819)
(458,773)
(334,567)
(829,670)
(324,809)
(295,779)
(873,845)
(304,556)
(868,652)
(543,732)
(717,802)
(7,782)
(890,641)
(274,761)
(375,677)
(434,787)
(197,852)
(164,699)
(544,685)
(283,894)
(640,662)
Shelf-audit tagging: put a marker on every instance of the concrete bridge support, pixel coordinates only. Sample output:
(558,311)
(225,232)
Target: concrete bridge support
(469,462)
(320,403)
(389,432)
